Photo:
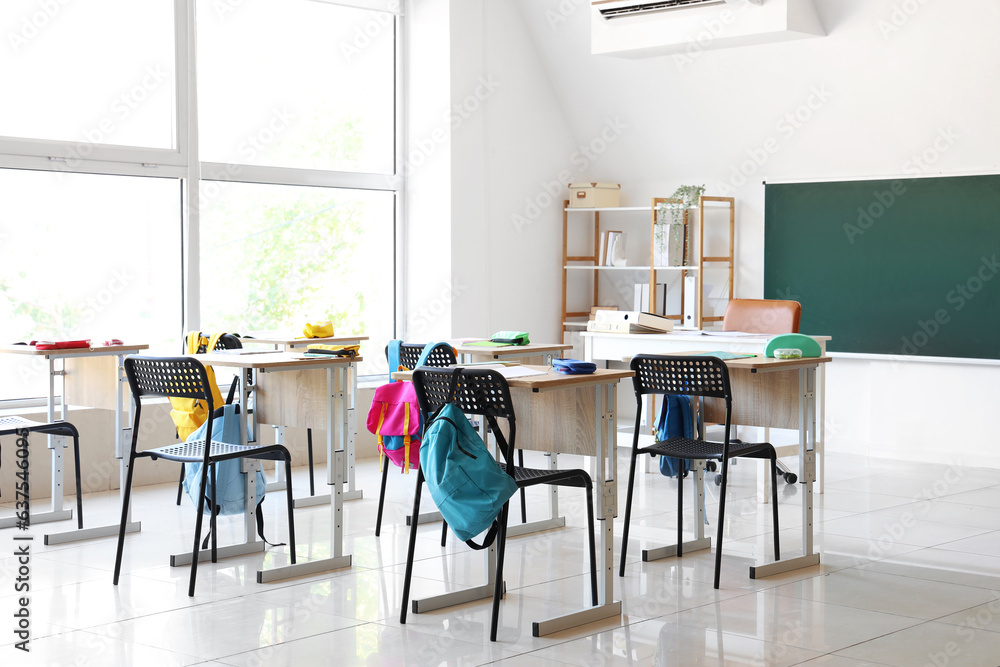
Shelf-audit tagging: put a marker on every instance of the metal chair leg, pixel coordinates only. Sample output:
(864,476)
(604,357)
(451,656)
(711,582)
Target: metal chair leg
(309,451)
(680,510)
(291,508)
(501,543)
(79,486)
(125,505)
(592,541)
(381,497)
(628,511)
(524,503)
(722,520)
(411,549)
(774,504)
(197,529)
(213,522)
(180,486)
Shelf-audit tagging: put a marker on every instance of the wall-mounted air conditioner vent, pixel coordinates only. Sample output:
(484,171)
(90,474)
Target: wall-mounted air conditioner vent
(613,9)
(686,28)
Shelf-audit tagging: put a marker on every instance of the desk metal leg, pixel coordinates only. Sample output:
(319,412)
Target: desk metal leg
(606,486)
(336,477)
(700,541)
(348,389)
(807,475)
(123,434)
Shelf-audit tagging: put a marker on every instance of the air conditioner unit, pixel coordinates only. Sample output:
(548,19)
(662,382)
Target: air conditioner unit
(615,9)
(686,28)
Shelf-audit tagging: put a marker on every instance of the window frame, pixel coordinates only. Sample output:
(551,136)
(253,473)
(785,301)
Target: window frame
(183,162)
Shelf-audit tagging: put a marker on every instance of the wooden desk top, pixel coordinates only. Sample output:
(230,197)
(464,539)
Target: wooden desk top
(763,364)
(265,359)
(550,380)
(275,338)
(74,351)
(531,349)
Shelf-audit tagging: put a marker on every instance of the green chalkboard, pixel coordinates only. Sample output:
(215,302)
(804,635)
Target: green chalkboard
(902,267)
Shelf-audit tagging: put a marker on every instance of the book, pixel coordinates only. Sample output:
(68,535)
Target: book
(648,320)
(630,321)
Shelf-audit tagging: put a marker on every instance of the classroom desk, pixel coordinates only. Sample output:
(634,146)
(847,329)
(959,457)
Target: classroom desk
(601,346)
(286,389)
(533,353)
(574,414)
(775,393)
(76,364)
(287,342)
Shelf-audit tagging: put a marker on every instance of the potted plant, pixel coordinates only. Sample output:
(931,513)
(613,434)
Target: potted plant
(669,232)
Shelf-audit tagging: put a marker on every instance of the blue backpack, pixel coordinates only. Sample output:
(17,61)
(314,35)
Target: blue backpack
(674,421)
(230,496)
(468,485)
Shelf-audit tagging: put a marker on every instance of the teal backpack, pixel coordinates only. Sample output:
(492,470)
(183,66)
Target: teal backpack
(467,484)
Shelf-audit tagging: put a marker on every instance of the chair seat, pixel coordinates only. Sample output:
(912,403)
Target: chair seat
(193,451)
(686,448)
(11,425)
(530,476)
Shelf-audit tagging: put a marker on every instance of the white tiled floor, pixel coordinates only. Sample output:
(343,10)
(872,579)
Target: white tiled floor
(910,576)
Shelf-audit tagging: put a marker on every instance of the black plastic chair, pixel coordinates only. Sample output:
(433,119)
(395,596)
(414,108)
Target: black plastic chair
(409,354)
(485,393)
(185,377)
(228,341)
(17,425)
(700,376)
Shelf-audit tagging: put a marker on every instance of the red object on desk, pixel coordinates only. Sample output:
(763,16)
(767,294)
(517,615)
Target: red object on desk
(60,344)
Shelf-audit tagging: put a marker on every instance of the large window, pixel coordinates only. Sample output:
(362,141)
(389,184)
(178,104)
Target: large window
(292,84)
(290,192)
(275,257)
(86,256)
(94,72)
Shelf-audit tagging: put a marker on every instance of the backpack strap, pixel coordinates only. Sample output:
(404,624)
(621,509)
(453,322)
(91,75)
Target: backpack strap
(429,348)
(488,538)
(378,432)
(392,356)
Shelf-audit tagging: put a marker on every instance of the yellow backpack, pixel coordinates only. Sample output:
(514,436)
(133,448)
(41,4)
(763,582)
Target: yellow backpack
(190,413)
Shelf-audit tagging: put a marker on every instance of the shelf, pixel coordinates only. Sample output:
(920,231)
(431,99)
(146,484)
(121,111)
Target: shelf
(647,209)
(630,268)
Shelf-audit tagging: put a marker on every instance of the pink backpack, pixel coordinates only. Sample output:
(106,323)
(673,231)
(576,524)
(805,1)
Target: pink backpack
(395,418)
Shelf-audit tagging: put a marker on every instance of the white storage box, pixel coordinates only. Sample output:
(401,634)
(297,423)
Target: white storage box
(594,195)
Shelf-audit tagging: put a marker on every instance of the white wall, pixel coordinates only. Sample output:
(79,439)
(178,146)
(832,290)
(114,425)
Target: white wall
(884,86)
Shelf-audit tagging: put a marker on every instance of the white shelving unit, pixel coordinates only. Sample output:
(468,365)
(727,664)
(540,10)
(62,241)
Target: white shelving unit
(577,319)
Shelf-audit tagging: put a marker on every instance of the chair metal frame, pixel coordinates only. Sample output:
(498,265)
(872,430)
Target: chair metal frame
(185,377)
(20,425)
(704,377)
(485,393)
